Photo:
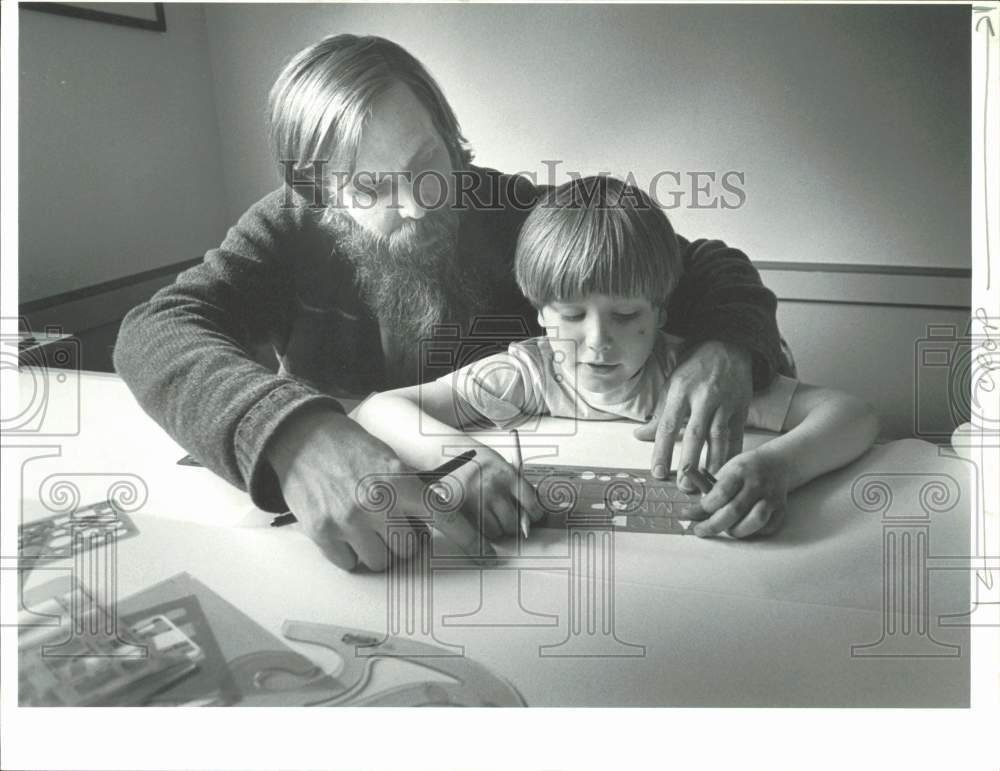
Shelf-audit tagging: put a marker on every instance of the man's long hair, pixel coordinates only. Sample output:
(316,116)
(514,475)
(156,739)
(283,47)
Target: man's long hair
(320,102)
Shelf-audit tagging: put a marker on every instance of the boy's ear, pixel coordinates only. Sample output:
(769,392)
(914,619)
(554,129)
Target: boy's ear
(661,317)
(541,322)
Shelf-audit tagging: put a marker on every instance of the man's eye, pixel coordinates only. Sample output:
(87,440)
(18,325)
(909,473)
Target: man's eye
(571,316)
(626,316)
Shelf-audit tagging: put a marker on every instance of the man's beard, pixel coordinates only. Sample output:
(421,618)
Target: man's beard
(411,280)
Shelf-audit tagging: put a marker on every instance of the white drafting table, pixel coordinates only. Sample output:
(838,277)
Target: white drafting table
(700,622)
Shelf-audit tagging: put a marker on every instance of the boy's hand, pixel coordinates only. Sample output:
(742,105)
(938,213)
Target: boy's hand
(711,389)
(495,494)
(748,498)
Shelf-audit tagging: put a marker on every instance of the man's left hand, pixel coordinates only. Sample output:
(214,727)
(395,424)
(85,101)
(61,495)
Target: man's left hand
(711,389)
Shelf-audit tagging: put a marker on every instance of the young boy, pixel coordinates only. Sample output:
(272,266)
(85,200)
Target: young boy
(599,260)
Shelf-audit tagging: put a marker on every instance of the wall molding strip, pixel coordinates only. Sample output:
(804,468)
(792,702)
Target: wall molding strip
(42,303)
(793,282)
(882,270)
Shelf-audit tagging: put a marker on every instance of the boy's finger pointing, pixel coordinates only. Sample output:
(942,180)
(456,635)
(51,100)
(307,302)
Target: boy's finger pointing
(724,518)
(752,523)
(726,488)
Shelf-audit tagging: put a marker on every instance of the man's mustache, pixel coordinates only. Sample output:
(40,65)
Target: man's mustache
(416,234)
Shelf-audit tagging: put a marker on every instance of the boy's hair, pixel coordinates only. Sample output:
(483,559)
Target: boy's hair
(597,235)
(320,102)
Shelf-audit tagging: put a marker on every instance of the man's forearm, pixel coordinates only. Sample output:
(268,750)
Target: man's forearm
(186,353)
(206,391)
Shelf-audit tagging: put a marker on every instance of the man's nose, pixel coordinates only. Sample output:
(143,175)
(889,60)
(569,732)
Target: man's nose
(409,205)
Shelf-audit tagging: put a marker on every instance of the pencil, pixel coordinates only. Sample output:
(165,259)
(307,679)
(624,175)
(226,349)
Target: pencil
(453,464)
(703,480)
(519,464)
(427,477)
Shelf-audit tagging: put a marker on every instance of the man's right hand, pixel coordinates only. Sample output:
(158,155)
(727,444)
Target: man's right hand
(331,471)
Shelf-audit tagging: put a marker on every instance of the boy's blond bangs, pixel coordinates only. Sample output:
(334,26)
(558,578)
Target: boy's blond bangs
(597,235)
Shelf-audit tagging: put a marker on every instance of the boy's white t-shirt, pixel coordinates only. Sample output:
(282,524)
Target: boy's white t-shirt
(528,380)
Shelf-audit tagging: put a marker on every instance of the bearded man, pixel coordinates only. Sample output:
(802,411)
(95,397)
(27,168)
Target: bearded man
(383,238)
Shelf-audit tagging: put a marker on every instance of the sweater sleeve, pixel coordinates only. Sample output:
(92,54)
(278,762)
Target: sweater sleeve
(721,297)
(186,353)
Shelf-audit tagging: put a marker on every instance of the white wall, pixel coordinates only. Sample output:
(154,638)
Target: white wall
(851,123)
(120,167)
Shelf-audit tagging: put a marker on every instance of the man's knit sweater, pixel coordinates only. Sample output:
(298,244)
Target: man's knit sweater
(277,280)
